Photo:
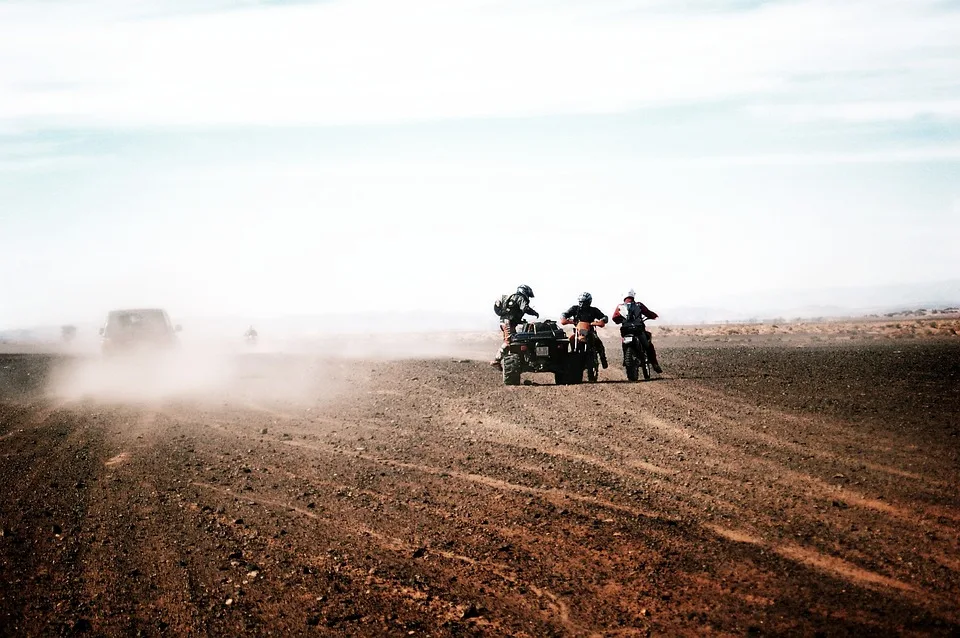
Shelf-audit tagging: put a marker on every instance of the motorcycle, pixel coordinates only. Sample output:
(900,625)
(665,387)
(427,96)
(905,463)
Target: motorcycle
(635,345)
(585,348)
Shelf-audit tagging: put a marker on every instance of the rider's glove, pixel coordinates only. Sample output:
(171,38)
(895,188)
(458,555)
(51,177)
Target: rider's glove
(535,313)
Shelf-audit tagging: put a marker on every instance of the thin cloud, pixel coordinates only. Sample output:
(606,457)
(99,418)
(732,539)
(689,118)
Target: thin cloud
(871,111)
(379,61)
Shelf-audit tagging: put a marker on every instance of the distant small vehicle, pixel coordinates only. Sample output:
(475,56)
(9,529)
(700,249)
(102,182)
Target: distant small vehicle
(251,336)
(138,329)
(68,333)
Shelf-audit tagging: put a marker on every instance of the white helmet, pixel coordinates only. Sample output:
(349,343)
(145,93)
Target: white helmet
(630,295)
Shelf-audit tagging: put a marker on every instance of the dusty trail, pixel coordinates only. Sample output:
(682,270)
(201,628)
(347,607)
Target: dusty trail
(737,494)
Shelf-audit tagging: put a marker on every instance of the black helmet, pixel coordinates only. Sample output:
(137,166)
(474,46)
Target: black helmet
(526,291)
(585,298)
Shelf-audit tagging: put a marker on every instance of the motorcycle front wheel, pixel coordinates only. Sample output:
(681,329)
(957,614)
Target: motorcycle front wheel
(593,367)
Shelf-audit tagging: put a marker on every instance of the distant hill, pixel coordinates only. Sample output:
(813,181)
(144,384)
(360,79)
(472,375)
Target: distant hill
(780,304)
(826,303)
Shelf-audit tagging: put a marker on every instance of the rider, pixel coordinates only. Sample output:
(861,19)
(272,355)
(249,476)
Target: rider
(511,309)
(583,311)
(250,333)
(630,315)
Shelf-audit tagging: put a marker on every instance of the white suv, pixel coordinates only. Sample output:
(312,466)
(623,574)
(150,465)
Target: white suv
(127,330)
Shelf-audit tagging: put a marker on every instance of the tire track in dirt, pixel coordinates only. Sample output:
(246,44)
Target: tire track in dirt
(397,545)
(814,485)
(835,566)
(491,429)
(701,441)
(567,511)
(553,495)
(559,496)
(680,434)
(827,430)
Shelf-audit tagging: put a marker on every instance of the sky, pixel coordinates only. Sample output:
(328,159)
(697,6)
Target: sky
(263,159)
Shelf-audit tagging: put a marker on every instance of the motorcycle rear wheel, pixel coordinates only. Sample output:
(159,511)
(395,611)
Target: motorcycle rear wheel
(631,364)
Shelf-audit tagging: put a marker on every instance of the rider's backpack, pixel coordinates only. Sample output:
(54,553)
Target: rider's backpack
(506,306)
(498,305)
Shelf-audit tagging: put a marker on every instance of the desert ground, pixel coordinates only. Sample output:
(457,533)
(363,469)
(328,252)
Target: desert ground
(799,481)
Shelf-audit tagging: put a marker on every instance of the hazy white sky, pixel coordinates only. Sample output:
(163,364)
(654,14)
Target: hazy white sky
(269,158)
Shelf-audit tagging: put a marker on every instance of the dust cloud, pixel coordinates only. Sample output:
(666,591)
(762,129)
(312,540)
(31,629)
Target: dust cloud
(292,370)
(192,375)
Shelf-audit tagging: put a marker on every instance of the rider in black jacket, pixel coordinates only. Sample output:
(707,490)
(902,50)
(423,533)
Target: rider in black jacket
(511,309)
(583,311)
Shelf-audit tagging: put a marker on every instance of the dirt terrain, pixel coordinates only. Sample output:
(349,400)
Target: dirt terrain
(757,487)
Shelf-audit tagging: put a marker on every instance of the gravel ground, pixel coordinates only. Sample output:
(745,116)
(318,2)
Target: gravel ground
(754,488)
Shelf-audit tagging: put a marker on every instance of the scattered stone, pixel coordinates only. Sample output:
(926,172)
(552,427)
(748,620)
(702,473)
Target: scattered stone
(237,555)
(238,521)
(313,620)
(470,612)
(57,529)
(228,602)
(263,430)
(82,626)
(839,476)
(840,505)
(645,613)
(419,552)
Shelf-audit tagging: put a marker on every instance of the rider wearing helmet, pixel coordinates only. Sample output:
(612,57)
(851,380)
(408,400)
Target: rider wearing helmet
(630,316)
(511,309)
(583,311)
